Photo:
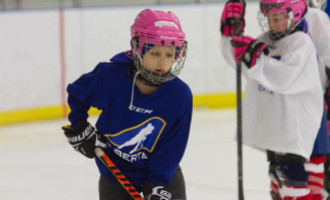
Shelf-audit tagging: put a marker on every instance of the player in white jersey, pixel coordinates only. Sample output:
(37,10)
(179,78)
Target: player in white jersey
(319,30)
(283,100)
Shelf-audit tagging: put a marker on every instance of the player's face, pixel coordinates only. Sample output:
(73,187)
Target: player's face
(277,22)
(159,59)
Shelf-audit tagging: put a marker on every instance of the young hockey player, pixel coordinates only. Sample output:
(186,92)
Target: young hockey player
(146,111)
(319,29)
(283,100)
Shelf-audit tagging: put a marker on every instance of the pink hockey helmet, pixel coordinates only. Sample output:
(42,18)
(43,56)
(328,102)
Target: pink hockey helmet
(155,27)
(158,27)
(295,11)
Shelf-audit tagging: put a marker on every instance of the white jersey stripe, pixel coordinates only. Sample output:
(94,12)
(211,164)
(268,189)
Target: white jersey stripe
(315,168)
(293,192)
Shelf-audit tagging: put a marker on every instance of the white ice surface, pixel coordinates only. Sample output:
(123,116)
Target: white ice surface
(37,163)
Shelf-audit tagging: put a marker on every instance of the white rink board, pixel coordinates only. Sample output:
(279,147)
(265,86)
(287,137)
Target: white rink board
(30,74)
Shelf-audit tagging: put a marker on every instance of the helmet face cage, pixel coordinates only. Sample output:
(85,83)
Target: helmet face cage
(266,27)
(152,72)
(292,10)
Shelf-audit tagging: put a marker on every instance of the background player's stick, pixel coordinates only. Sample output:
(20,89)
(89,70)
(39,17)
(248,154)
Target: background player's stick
(239,131)
(117,173)
(239,111)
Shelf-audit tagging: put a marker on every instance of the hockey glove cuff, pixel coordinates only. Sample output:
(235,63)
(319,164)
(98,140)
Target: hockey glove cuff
(160,193)
(84,139)
(247,49)
(232,19)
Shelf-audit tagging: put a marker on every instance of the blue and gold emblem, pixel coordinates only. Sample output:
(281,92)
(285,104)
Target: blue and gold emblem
(143,136)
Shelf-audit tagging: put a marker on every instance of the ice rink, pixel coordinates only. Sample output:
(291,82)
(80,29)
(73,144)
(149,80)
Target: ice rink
(37,163)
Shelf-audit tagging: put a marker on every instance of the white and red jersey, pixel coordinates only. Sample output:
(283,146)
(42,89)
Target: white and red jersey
(283,100)
(319,29)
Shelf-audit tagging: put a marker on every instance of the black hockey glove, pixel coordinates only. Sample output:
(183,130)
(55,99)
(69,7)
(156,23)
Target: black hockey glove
(84,139)
(160,193)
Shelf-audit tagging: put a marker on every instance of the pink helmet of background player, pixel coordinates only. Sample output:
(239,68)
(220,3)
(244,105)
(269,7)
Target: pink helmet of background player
(321,4)
(295,11)
(297,7)
(151,28)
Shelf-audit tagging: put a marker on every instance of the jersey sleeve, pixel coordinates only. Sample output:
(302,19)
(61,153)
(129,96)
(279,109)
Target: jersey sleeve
(228,54)
(164,161)
(84,93)
(293,72)
(226,51)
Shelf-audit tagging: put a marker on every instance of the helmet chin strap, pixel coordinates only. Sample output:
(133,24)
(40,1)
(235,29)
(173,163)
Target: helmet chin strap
(130,107)
(147,82)
(276,36)
(137,75)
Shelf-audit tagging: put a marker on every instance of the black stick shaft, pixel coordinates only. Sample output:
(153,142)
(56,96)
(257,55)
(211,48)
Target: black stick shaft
(239,33)
(239,131)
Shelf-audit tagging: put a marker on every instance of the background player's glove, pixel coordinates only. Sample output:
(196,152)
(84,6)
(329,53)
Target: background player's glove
(160,193)
(232,19)
(84,139)
(247,49)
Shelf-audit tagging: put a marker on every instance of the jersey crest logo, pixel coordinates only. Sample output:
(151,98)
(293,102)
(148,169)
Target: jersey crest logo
(143,136)
(277,57)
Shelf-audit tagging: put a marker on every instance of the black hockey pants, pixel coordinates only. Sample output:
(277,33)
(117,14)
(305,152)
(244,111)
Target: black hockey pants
(112,190)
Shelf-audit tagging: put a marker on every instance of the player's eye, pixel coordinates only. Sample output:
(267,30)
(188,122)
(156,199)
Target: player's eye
(169,55)
(155,54)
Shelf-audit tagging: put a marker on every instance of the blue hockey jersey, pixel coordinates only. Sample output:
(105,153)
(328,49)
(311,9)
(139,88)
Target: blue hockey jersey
(146,142)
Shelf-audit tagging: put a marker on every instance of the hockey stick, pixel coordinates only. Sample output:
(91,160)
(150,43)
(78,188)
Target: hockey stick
(239,131)
(239,113)
(117,173)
